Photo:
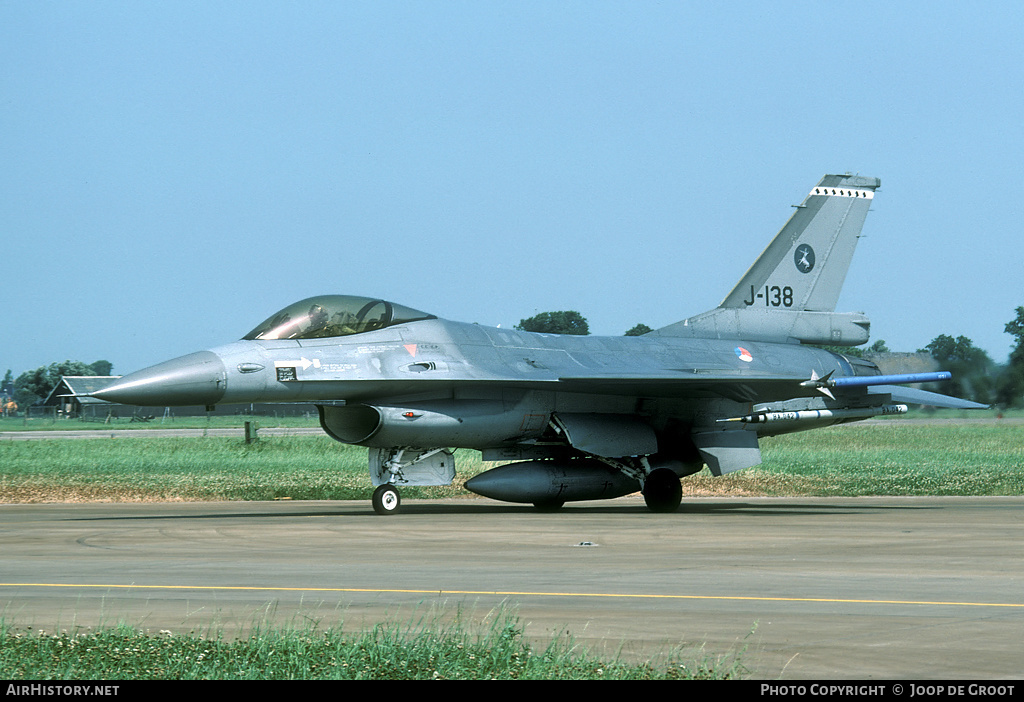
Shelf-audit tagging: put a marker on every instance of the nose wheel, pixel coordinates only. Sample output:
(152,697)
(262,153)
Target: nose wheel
(386,499)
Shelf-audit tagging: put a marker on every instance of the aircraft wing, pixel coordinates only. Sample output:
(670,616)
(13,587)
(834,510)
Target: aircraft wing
(755,388)
(738,386)
(734,386)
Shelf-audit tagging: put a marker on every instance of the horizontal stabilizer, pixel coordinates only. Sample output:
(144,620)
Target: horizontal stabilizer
(924,397)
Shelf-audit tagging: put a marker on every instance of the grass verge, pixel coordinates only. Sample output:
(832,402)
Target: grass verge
(889,458)
(424,650)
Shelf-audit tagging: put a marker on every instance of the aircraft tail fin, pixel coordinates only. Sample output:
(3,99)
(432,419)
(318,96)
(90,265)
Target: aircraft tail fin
(791,290)
(805,265)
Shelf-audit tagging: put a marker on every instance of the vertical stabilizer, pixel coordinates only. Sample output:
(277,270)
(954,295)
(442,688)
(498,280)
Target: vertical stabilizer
(804,266)
(790,293)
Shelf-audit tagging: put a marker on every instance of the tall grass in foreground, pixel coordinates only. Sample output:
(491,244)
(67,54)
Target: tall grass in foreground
(422,651)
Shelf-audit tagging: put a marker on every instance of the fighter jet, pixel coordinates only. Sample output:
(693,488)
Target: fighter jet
(575,418)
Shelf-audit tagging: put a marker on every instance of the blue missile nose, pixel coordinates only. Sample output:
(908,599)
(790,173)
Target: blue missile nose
(196,379)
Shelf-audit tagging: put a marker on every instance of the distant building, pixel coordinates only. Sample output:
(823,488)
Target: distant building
(68,396)
(68,399)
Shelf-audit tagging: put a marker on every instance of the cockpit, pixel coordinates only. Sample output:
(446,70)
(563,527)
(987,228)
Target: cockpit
(334,315)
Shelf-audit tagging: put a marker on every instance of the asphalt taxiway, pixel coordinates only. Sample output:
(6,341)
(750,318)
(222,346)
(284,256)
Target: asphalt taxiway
(796,587)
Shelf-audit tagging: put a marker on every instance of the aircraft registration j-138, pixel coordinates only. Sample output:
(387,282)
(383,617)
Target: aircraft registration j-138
(578,418)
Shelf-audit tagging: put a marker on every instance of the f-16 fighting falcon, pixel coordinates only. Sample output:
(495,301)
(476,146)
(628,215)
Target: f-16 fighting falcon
(575,417)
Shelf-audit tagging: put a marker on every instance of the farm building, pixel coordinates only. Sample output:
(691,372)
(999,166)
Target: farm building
(69,399)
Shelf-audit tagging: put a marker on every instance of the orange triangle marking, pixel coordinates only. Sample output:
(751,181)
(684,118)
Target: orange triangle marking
(411,348)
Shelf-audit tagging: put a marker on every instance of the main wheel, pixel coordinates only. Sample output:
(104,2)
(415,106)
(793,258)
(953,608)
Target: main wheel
(662,490)
(548,505)
(386,499)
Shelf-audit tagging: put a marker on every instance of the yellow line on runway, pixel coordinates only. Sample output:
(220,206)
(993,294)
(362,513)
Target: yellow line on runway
(512,593)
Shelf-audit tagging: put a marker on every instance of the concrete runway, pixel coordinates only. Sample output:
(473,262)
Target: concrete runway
(882,588)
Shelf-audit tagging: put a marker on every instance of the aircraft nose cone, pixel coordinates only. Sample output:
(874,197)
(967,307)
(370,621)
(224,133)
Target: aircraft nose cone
(196,379)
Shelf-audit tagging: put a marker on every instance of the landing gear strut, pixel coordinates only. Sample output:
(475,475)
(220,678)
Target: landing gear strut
(386,499)
(662,490)
(407,466)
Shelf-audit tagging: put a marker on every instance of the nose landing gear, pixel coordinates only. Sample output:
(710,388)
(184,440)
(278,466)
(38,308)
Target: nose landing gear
(386,499)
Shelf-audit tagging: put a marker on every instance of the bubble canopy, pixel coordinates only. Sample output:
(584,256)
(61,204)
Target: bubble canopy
(334,315)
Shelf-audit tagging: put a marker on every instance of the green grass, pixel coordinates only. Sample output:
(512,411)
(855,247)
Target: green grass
(889,458)
(49,423)
(140,469)
(894,458)
(918,412)
(429,649)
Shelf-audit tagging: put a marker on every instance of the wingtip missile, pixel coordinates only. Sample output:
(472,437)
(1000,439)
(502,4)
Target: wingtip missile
(896,379)
(826,383)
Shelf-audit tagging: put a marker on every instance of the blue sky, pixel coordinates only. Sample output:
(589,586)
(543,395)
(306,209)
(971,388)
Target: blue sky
(173,173)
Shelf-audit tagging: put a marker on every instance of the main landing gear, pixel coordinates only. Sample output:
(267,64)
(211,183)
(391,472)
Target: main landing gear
(662,490)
